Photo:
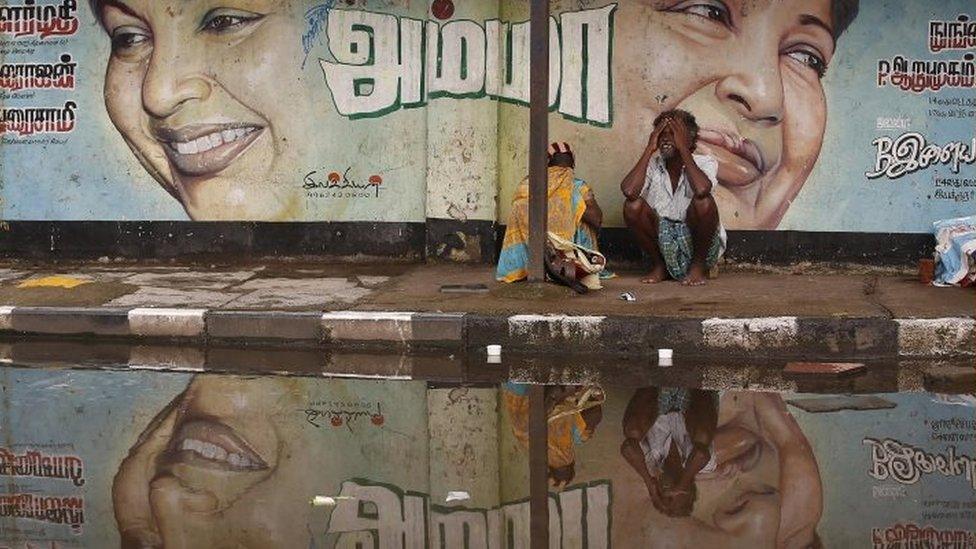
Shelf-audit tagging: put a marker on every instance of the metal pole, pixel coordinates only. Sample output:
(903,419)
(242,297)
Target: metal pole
(538,137)
(538,468)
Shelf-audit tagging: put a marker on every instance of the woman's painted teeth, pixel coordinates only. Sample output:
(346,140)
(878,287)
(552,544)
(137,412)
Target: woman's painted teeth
(212,141)
(205,150)
(216,453)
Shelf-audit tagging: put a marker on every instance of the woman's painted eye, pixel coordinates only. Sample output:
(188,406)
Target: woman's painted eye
(217,21)
(128,38)
(811,60)
(716,11)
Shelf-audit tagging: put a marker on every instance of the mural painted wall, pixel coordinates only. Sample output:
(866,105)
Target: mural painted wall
(861,123)
(147,459)
(392,110)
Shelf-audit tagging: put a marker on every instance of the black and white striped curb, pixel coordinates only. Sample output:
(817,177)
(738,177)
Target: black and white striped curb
(614,335)
(209,325)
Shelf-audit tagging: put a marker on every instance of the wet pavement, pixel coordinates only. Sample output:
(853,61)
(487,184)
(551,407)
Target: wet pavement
(104,445)
(797,291)
(801,312)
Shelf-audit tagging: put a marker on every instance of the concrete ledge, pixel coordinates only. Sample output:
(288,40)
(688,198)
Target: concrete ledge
(750,334)
(69,321)
(829,336)
(555,329)
(270,325)
(6,318)
(398,328)
(167,322)
(936,336)
(394,327)
(820,338)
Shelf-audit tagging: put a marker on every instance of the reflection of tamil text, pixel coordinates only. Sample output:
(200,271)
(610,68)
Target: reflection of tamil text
(907,464)
(33,463)
(67,510)
(906,536)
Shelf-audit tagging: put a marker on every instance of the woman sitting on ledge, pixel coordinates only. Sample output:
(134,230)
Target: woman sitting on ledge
(573,215)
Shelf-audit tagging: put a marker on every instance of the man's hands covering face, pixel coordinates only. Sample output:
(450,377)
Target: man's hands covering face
(682,137)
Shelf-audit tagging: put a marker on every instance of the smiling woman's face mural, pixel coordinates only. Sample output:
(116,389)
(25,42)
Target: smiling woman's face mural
(399,112)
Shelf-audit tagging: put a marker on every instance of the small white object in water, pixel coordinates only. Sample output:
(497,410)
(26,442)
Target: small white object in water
(494,359)
(663,354)
(494,350)
(664,362)
(457,496)
(328,501)
(323,501)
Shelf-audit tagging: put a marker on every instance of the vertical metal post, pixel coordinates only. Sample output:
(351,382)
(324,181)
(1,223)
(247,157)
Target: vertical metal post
(538,468)
(538,136)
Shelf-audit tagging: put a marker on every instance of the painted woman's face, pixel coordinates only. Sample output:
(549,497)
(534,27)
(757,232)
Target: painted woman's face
(199,89)
(767,491)
(750,71)
(220,467)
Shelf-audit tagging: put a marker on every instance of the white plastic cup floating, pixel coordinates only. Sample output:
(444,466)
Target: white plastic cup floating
(323,501)
(494,350)
(665,354)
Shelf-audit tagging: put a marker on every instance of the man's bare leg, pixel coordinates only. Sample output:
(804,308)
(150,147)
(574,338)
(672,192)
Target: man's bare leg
(702,220)
(643,222)
(638,418)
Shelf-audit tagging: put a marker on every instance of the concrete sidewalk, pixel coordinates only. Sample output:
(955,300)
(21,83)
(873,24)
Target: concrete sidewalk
(744,312)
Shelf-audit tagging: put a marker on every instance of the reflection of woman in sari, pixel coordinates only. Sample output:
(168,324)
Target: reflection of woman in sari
(573,214)
(572,412)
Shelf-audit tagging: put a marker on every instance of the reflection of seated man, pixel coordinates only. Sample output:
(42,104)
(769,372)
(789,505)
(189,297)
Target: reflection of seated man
(669,434)
(573,214)
(669,205)
(573,412)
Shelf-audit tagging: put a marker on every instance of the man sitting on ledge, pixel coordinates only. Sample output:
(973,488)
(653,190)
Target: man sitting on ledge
(669,204)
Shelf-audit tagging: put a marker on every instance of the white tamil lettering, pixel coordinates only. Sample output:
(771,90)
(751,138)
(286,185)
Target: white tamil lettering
(379,63)
(586,89)
(379,511)
(385,517)
(456,57)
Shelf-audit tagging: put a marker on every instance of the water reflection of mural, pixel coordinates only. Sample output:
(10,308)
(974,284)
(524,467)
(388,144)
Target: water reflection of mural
(396,111)
(101,459)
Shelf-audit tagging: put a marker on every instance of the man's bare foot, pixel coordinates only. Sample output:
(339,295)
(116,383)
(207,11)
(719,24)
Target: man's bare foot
(657,274)
(697,276)
(654,491)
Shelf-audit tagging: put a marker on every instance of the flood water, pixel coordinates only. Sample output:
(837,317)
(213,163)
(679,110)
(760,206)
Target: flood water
(697,455)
